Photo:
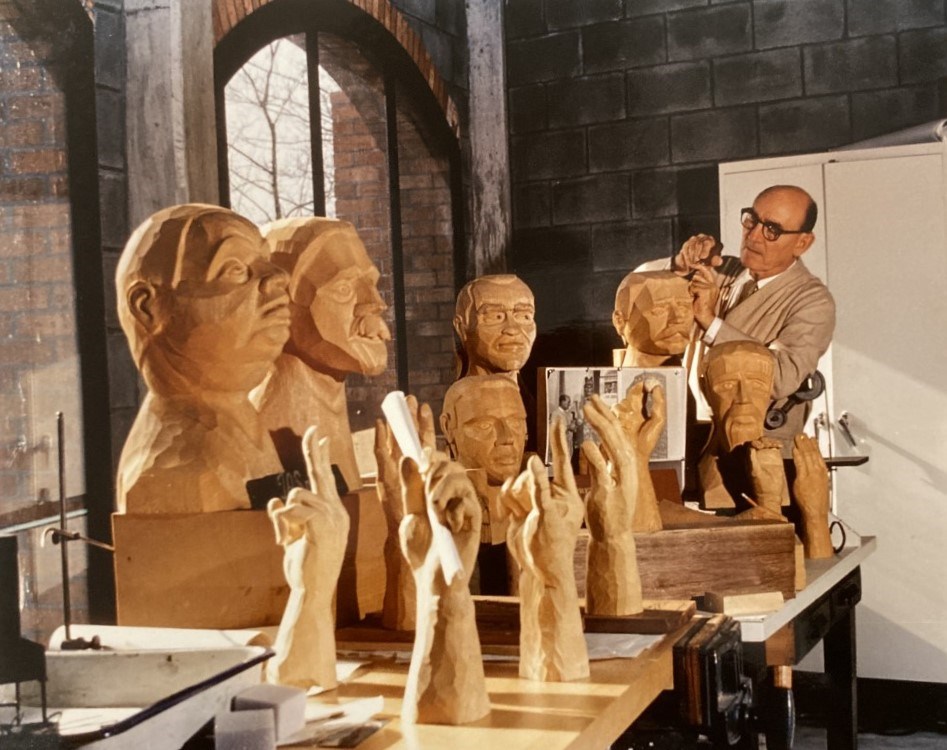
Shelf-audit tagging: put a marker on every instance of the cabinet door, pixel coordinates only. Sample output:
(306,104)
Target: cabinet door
(739,185)
(887,267)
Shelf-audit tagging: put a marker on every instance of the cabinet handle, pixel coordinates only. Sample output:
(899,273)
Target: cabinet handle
(846,429)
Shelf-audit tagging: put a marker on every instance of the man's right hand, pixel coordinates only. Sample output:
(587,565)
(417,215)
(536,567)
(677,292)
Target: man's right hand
(699,250)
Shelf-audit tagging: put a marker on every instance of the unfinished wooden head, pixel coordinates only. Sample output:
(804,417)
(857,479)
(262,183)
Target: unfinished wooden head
(737,379)
(484,422)
(495,320)
(653,315)
(337,323)
(200,302)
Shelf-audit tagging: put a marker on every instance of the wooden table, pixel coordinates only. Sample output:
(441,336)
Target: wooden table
(527,715)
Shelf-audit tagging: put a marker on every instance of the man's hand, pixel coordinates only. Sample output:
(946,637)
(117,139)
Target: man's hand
(699,250)
(704,294)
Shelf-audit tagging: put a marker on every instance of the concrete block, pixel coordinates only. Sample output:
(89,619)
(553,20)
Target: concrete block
(288,705)
(110,128)
(883,16)
(532,205)
(758,77)
(852,65)
(551,154)
(653,193)
(784,23)
(648,7)
(109,48)
(698,190)
(678,87)
(878,112)
(718,135)
(522,18)
(590,299)
(804,125)
(628,145)
(528,108)
(245,730)
(449,16)
(113,205)
(561,247)
(584,101)
(543,59)
(561,14)
(421,9)
(687,225)
(615,46)
(709,32)
(621,247)
(591,199)
(922,55)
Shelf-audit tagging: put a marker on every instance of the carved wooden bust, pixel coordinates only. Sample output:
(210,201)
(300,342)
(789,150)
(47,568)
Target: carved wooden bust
(206,315)
(337,329)
(653,315)
(495,322)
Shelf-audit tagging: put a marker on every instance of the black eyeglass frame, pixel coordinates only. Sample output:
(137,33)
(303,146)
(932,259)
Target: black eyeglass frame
(771,230)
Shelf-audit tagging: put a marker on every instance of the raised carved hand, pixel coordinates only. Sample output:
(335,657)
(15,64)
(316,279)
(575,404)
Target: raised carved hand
(544,526)
(312,526)
(398,609)
(613,586)
(811,489)
(769,479)
(643,434)
(445,682)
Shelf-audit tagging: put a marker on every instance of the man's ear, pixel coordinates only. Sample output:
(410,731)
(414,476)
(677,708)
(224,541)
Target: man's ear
(803,243)
(142,301)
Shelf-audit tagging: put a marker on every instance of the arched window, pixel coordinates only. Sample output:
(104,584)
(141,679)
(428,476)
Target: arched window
(324,112)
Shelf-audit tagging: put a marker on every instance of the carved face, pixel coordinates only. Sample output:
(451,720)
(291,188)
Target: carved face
(501,328)
(660,318)
(738,386)
(344,329)
(487,428)
(227,319)
(763,257)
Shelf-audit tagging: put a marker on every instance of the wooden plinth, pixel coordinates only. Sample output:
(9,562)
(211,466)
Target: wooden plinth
(225,570)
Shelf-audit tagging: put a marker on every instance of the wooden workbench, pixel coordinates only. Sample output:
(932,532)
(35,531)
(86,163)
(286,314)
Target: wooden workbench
(527,715)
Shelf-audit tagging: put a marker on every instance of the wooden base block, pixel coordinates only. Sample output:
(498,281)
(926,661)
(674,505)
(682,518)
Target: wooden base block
(743,604)
(225,570)
(657,617)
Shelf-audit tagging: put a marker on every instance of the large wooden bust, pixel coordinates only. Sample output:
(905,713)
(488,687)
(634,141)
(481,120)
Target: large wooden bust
(653,315)
(337,329)
(206,315)
(495,320)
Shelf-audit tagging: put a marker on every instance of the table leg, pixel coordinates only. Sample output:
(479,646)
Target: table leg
(839,651)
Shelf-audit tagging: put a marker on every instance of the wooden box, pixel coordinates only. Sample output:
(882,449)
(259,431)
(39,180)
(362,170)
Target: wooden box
(225,570)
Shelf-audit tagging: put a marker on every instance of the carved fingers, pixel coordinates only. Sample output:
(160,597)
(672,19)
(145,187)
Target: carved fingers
(811,486)
(562,475)
(767,473)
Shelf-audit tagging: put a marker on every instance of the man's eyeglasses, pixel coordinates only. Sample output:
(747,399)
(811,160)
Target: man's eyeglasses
(771,230)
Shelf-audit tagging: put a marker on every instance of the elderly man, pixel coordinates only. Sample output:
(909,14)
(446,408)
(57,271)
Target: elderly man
(767,295)
(206,314)
(495,320)
(653,315)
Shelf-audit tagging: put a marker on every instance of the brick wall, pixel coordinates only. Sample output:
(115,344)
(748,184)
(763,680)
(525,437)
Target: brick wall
(37,303)
(620,111)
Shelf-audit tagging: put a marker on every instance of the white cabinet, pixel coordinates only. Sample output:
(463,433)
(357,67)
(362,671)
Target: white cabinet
(883,251)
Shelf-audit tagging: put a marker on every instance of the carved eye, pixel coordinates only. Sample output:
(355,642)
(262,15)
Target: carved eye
(234,271)
(492,317)
(341,291)
(523,316)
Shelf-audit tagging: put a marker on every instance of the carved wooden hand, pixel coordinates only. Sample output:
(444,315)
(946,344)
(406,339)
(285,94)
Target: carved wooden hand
(312,525)
(811,490)
(769,478)
(613,586)
(545,521)
(398,609)
(445,682)
(643,434)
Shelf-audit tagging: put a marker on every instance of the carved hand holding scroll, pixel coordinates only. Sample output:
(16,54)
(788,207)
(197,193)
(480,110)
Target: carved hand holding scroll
(312,526)
(643,433)
(544,526)
(613,586)
(445,682)
(398,610)
(811,489)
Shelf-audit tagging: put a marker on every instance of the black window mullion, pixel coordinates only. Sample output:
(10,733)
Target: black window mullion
(315,124)
(397,247)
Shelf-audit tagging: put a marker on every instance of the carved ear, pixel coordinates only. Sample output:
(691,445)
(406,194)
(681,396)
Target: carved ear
(448,429)
(618,320)
(141,303)
(461,330)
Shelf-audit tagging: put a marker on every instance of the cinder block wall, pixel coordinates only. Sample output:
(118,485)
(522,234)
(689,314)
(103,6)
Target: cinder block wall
(620,111)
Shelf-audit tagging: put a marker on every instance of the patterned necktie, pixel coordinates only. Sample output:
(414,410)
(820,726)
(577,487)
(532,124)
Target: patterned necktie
(746,290)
